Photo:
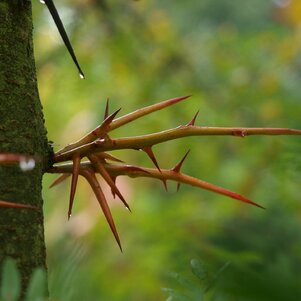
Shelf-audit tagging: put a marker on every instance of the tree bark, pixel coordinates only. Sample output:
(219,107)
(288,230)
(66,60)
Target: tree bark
(22,131)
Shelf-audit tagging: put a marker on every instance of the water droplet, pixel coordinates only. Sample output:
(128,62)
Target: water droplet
(42,1)
(26,165)
(81,76)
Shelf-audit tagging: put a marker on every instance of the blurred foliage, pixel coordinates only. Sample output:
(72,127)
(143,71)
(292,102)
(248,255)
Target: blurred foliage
(241,60)
(11,283)
(201,290)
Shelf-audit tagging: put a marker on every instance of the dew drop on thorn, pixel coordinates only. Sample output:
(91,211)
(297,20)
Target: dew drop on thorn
(42,1)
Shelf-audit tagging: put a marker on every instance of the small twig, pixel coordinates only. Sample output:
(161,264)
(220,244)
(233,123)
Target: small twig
(163,174)
(140,142)
(96,133)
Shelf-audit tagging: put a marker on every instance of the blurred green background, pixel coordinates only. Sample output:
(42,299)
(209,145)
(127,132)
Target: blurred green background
(241,61)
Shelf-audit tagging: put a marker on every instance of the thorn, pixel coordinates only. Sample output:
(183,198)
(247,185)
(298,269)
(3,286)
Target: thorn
(112,190)
(177,99)
(145,111)
(59,24)
(149,151)
(165,184)
(178,186)
(75,172)
(59,180)
(241,198)
(110,118)
(104,125)
(223,191)
(106,114)
(7,158)
(106,176)
(192,122)
(91,178)
(6,204)
(178,166)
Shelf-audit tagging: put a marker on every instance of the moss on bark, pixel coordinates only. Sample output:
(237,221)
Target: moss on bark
(21,131)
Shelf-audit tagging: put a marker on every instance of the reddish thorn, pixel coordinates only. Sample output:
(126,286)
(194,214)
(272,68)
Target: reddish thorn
(177,168)
(149,151)
(11,158)
(192,122)
(26,162)
(112,190)
(165,184)
(104,125)
(107,177)
(110,118)
(91,178)
(75,172)
(177,99)
(239,197)
(6,204)
(106,114)
(59,180)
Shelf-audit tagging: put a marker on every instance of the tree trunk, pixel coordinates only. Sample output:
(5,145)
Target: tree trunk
(21,131)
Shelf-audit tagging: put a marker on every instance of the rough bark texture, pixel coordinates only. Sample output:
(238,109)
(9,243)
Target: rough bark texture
(21,131)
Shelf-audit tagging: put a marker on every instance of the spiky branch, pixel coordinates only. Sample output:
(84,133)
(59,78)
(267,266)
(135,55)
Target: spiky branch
(95,145)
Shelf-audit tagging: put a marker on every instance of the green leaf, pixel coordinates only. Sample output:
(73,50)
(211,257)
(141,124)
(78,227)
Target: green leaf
(11,285)
(183,281)
(174,295)
(216,276)
(37,289)
(198,268)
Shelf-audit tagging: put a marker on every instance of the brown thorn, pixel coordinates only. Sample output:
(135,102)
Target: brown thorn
(177,168)
(106,114)
(106,176)
(59,180)
(165,184)
(12,158)
(75,172)
(104,125)
(112,191)
(91,178)
(6,204)
(178,186)
(149,151)
(145,111)
(192,122)
(110,118)
(241,198)
(177,99)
